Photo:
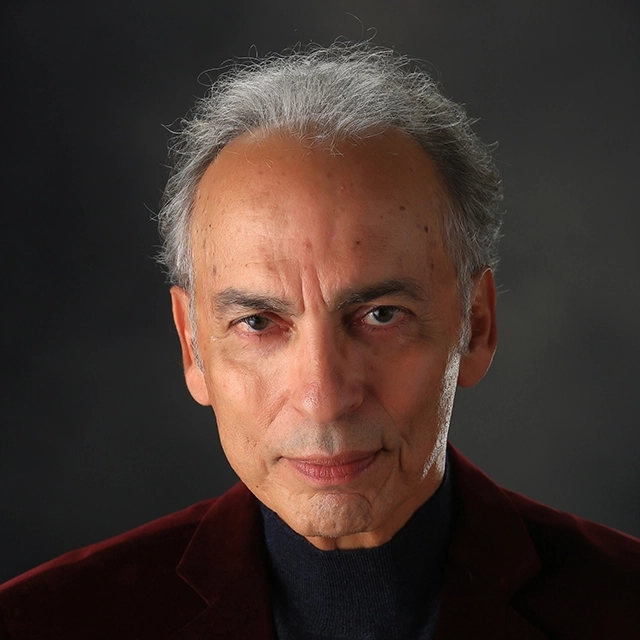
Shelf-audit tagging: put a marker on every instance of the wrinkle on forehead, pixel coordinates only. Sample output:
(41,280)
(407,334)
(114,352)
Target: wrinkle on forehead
(302,214)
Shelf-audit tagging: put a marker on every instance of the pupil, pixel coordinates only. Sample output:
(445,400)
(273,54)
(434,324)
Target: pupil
(257,322)
(384,314)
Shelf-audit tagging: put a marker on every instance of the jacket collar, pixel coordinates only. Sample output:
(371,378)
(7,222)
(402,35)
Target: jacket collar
(491,559)
(225,564)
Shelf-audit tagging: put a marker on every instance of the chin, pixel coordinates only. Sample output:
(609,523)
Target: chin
(331,516)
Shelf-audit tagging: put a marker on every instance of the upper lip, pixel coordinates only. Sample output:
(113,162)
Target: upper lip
(334,461)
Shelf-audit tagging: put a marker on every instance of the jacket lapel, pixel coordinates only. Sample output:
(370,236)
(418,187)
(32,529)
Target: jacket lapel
(491,559)
(225,564)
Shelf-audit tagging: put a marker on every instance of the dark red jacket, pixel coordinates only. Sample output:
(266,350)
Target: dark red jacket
(516,569)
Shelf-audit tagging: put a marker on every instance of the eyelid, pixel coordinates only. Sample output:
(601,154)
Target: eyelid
(358,317)
(402,311)
(243,319)
(275,324)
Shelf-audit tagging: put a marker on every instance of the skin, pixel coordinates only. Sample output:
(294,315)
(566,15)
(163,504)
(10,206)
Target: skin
(328,326)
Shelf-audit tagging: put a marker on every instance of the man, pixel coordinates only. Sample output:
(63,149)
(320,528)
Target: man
(330,230)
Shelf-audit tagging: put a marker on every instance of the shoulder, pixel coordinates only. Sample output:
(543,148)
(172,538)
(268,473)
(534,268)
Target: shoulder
(584,565)
(159,537)
(566,575)
(562,538)
(559,539)
(131,572)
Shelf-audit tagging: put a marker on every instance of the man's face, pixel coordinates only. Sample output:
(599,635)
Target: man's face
(328,326)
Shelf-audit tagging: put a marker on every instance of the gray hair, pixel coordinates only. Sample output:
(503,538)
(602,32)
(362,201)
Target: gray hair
(343,91)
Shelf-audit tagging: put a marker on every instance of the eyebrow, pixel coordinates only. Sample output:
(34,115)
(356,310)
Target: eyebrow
(232,297)
(404,286)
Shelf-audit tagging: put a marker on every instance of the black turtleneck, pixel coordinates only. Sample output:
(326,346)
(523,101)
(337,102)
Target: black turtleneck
(388,592)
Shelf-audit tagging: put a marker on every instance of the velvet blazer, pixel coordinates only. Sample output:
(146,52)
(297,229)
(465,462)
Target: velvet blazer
(516,569)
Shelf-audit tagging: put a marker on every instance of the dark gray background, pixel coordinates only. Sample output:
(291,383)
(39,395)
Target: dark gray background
(98,432)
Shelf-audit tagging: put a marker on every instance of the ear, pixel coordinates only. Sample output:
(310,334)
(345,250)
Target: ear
(193,374)
(475,362)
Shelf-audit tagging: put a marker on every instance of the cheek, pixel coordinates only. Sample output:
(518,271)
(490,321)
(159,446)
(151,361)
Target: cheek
(410,386)
(419,401)
(245,399)
(237,382)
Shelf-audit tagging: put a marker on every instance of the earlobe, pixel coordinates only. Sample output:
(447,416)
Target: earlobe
(193,373)
(475,362)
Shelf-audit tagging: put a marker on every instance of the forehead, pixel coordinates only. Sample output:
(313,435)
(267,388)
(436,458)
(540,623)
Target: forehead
(278,203)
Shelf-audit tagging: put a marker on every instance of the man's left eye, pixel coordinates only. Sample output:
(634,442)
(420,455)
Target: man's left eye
(256,323)
(382,316)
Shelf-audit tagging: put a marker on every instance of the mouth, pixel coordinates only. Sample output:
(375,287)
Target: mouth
(334,470)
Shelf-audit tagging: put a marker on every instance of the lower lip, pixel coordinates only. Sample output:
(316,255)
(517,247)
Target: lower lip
(332,474)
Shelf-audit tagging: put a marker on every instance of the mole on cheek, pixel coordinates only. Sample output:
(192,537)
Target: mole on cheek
(426,228)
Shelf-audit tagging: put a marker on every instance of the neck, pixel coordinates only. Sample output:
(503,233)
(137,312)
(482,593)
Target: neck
(390,591)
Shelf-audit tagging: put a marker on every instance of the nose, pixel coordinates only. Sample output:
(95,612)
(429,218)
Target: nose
(326,379)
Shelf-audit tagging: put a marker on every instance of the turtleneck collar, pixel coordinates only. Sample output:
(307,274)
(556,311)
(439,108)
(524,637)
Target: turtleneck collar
(387,592)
